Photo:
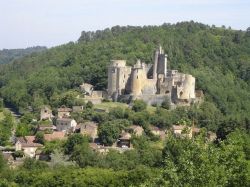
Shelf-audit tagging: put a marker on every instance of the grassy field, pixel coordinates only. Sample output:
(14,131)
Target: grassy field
(110,105)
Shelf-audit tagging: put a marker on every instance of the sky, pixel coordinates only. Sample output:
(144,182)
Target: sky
(27,23)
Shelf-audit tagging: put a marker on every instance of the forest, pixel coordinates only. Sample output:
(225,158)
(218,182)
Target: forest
(218,57)
(8,55)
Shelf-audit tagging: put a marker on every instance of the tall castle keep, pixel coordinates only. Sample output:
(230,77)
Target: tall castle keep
(151,83)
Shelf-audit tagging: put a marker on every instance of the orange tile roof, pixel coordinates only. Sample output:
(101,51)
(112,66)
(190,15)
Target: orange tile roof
(56,135)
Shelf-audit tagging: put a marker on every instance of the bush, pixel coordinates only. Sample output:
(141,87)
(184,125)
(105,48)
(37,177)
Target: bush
(139,105)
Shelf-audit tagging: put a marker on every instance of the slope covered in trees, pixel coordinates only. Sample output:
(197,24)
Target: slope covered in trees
(8,55)
(218,57)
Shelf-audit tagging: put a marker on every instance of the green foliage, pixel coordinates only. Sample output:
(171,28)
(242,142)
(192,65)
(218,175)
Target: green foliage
(139,105)
(72,141)
(84,156)
(6,126)
(18,154)
(58,159)
(31,164)
(8,55)
(166,103)
(51,146)
(39,138)
(24,130)
(109,131)
(3,163)
(89,105)
(193,163)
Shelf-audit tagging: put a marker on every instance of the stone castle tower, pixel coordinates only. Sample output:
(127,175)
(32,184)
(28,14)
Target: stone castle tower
(150,82)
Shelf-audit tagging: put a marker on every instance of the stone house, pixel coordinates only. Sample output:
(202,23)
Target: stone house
(125,140)
(182,131)
(77,108)
(90,129)
(135,129)
(63,112)
(27,145)
(46,113)
(157,131)
(66,124)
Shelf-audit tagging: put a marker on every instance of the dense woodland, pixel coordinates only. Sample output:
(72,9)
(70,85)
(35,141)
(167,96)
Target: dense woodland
(8,55)
(219,58)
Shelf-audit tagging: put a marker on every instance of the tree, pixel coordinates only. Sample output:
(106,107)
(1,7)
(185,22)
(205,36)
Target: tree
(31,164)
(89,105)
(84,156)
(59,159)
(108,133)
(73,140)
(39,138)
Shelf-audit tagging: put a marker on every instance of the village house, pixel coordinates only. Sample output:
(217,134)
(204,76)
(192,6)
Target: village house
(66,124)
(77,108)
(182,131)
(56,135)
(90,129)
(125,140)
(157,131)
(135,129)
(27,145)
(63,112)
(46,113)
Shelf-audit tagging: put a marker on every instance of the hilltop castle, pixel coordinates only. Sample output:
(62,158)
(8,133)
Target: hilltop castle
(152,83)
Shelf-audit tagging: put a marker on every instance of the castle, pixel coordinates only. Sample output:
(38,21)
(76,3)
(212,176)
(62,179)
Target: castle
(153,83)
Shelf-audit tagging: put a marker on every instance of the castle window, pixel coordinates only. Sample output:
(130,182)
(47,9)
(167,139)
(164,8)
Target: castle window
(137,77)
(167,91)
(181,93)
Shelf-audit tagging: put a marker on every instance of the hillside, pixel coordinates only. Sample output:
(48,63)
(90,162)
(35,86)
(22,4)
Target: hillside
(8,55)
(218,57)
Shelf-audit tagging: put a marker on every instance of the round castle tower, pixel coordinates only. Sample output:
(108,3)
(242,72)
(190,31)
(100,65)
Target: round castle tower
(188,89)
(138,78)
